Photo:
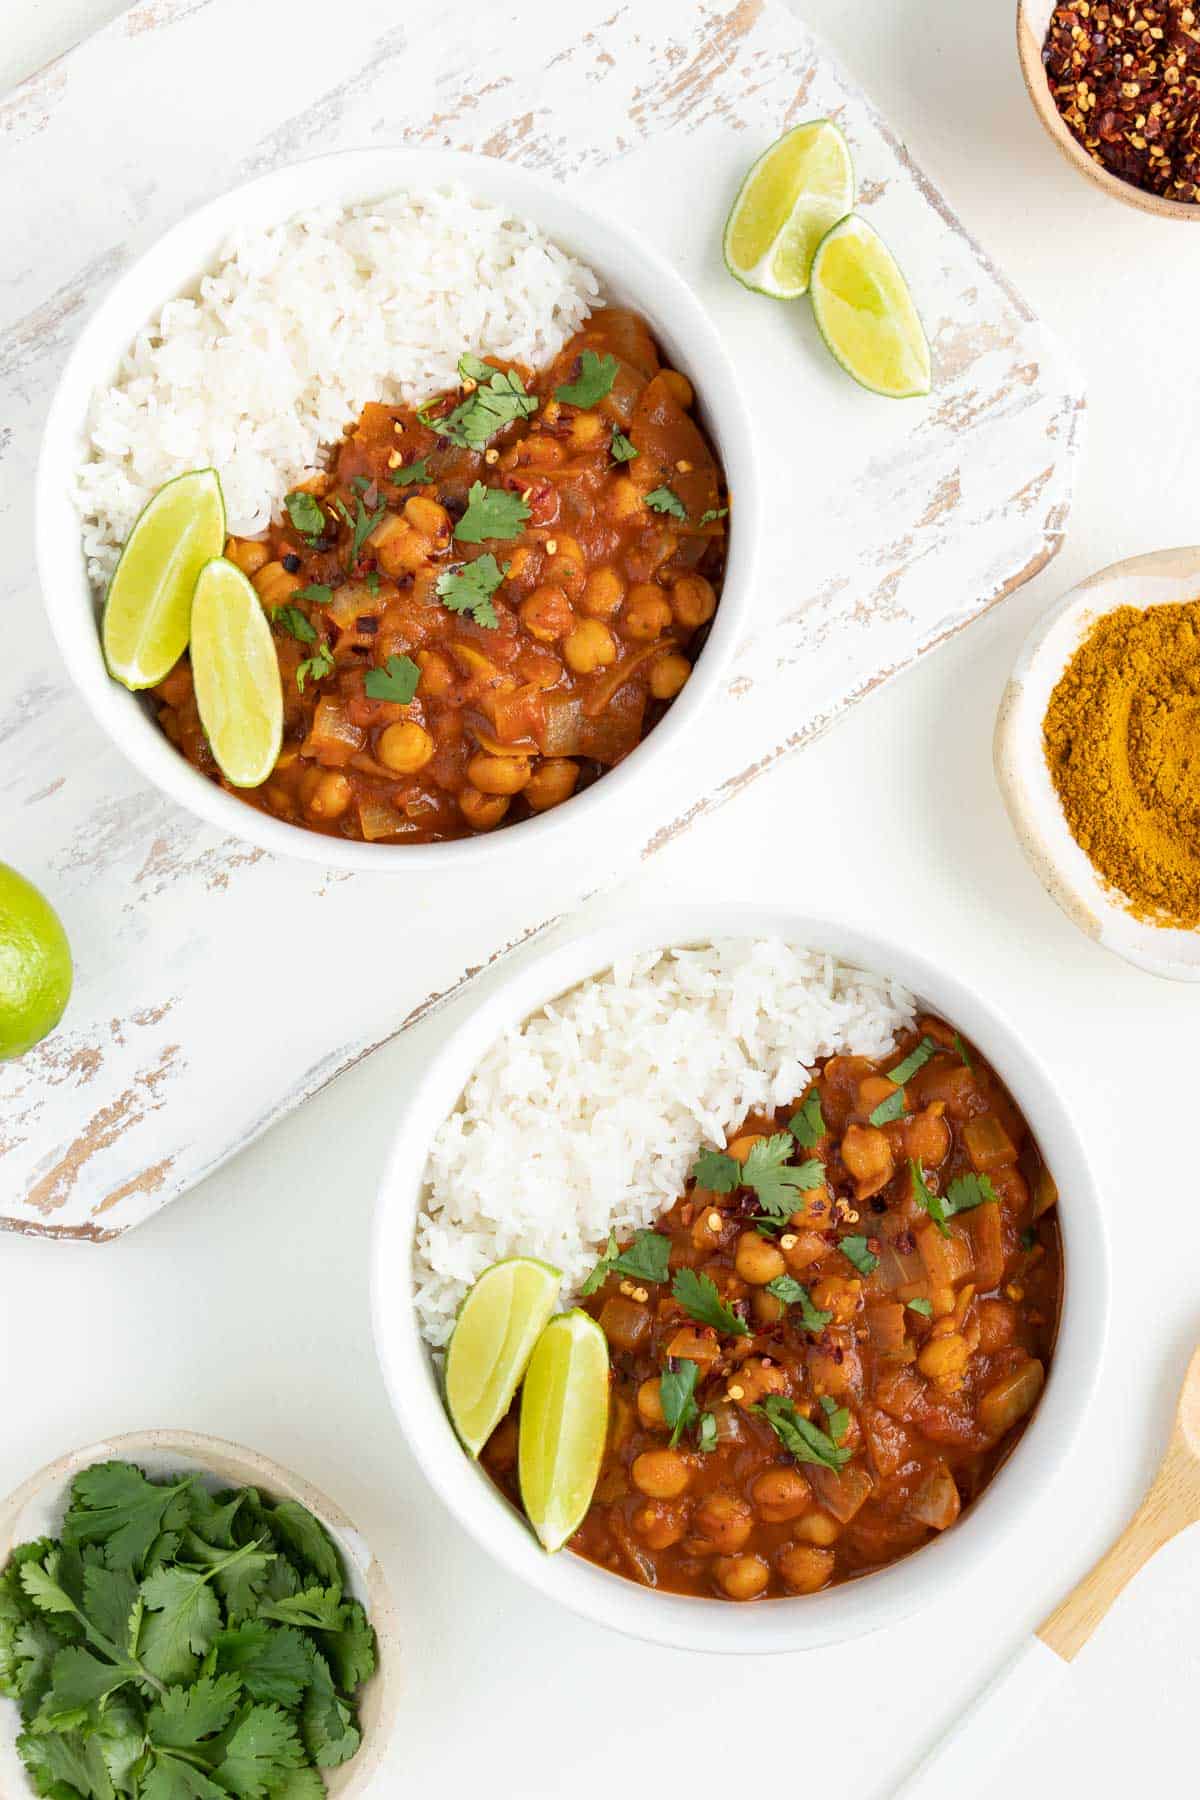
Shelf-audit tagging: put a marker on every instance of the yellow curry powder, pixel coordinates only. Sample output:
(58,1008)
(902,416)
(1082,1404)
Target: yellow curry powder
(1122,738)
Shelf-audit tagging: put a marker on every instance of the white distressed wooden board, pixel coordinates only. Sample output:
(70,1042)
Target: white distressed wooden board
(195,1019)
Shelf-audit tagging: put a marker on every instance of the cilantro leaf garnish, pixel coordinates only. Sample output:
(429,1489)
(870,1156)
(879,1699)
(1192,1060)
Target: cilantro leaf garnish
(714,512)
(596,376)
(409,474)
(889,1109)
(295,623)
(623,450)
(808,1125)
(666,500)
(305,514)
(963,1052)
(498,399)
(114,1505)
(316,666)
(719,1173)
(396,682)
(776,1183)
(360,523)
(854,1248)
(794,1293)
(916,1059)
(676,1389)
(491,513)
(646,1259)
(806,1442)
(185,1715)
(964,1193)
(924,1307)
(698,1296)
(317,591)
(469,589)
(706,1433)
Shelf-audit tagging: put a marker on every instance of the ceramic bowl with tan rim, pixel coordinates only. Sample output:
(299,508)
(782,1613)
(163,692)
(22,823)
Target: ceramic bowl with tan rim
(1163,577)
(1033,22)
(37,1507)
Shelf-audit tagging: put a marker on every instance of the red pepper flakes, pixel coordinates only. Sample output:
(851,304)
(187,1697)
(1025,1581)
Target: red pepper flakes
(1126,79)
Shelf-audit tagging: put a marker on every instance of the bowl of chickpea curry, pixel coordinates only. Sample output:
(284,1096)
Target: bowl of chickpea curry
(843,1362)
(488,602)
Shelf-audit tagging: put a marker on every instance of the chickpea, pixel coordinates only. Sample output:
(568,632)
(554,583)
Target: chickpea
(603,593)
(804,1568)
(399,550)
(647,612)
(564,566)
(724,1519)
(803,1251)
(589,647)
(483,812)
(660,1474)
(650,1406)
(404,747)
(437,677)
(552,782)
(331,796)
(758,1261)
(669,674)
(817,1527)
(780,1495)
(756,1378)
(430,519)
(678,386)
(693,601)
(943,1359)
(868,1156)
(273,585)
(927,1136)
(539,450)
(248,554)
(767,1309)
(742,1577)
(587,430)
(709,1228)
(622,500)
(997,1325)
(838,1296)
(546,614)
(658,1524)
(499,774)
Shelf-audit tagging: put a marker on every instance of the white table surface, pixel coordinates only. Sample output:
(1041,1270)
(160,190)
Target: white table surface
(242,1309)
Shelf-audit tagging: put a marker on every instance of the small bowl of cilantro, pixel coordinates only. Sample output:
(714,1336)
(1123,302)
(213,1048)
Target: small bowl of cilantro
(181,1619)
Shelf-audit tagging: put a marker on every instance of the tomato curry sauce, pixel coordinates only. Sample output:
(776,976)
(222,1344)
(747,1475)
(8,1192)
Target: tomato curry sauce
(488,601)
(848,1348)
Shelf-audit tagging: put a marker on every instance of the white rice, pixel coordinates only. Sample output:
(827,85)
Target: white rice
(296,328)
(587,1117)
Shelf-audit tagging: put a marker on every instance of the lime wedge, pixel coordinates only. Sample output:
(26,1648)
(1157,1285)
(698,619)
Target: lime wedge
(149,604)
(866,314)
(795,192)
(498,1324)
(239,693)
(564,1422)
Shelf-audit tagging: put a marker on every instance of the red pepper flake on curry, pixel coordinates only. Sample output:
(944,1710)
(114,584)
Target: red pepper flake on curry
(832,1340)
(1126,79)
(489,600)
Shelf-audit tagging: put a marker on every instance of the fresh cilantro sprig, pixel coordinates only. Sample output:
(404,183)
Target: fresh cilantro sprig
(893,1106)
(856,1250)
(491,513)
(806,1442)
(698,1296)
(469,589)
(595,379)
(890,1108)
(360,524)
(677,1390)
(396,681)
(498,399)
(306,515)
(924,1307)
(964,1053)
(713,512)
(295,623)
(963,1194)
(645,1259)
(794,1293)
(316,666)
(410,474)
(808,1125)
(766,1170)
(666,500)
(143,1652)
(622,448)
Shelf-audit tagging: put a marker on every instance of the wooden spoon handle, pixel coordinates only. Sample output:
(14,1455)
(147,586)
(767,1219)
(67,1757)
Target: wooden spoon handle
(988,1728)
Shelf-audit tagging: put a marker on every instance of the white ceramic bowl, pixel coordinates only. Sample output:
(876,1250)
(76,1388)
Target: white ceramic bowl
(1012,1498)
(1025,782)
(36,1510)
(631,272)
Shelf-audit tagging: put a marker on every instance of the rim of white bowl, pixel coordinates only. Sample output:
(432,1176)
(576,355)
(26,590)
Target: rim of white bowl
(1158,578)
(630,270)
(860,1606)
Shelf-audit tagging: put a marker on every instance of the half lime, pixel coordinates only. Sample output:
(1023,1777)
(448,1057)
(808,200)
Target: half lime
(148,608)
(498,1325)
(866,314)
(239,692)
(795,192)
(564,1422)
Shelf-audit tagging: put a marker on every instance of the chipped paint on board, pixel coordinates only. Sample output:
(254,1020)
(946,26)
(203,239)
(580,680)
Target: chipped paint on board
(190,942)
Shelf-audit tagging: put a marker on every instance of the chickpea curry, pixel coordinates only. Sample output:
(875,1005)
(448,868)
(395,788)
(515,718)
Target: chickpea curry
(487,601)
(832,1340)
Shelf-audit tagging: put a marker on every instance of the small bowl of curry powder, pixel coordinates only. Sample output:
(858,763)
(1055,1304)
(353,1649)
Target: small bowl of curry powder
(1098,758)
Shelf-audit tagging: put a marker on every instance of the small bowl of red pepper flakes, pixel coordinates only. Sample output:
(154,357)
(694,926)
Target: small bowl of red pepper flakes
(1117,85)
